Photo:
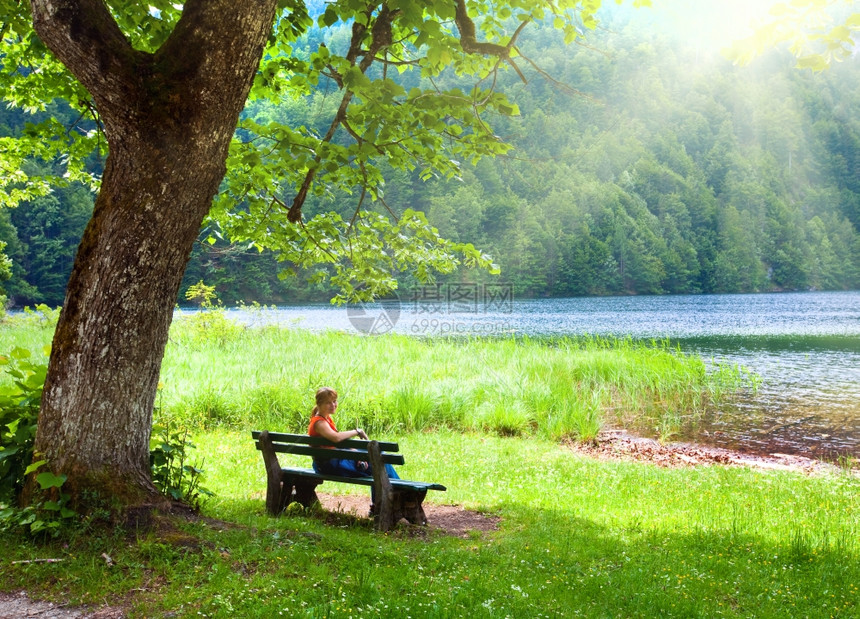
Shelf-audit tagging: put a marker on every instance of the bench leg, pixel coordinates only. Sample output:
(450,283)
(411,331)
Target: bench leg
(278,493)
(393,504)
(408,504)
(305,490)
(277,497)
(277,490)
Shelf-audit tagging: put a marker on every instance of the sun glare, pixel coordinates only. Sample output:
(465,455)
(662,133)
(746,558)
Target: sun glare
(713,24)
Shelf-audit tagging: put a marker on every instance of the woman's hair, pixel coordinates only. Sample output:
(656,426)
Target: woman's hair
(324,394)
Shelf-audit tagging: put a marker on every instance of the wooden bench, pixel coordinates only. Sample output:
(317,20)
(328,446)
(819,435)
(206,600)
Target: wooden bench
(395,498)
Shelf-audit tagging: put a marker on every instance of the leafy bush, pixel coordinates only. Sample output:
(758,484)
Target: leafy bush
(19,408)
(48,512)
(208,325)
(171,474)
(20,396)
(5,273)
(41,315)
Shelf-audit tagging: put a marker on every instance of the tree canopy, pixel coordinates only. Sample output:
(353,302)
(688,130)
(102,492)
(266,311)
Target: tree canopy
(817,32)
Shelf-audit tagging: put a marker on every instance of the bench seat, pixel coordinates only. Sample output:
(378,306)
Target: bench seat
(363,481)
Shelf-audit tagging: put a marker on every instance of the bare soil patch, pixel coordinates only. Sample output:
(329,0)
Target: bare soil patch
(621,445)
(452,520)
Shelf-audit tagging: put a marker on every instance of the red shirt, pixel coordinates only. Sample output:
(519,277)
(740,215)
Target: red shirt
(312,431)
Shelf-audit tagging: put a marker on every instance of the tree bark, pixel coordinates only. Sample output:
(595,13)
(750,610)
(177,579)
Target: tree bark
(168,118)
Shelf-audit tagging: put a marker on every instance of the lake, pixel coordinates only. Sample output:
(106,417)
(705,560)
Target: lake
(804,346)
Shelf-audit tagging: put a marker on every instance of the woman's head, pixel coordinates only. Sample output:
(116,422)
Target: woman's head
(324,396)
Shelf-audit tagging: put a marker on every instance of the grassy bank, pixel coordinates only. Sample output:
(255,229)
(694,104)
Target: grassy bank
(396,383)
(577,537)
(217,374)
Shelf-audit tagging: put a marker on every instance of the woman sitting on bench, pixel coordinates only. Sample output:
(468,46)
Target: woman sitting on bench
(322,424)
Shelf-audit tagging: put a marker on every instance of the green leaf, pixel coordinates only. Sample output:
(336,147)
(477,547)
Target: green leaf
(49,480)
(815,63)
(7,452)
(329,17)
(33,467)
(20,353)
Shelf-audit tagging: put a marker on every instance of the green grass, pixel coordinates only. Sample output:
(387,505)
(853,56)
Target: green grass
(578,537)
(216,373)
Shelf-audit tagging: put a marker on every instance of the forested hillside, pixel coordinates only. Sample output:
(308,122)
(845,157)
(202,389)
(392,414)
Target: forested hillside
(649,168)
(675,175)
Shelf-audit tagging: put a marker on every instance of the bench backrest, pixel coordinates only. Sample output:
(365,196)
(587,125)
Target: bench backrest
(316,446)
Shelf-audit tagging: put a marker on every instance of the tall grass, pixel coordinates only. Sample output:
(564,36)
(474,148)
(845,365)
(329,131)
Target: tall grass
(32,330)
(562,387)
(218,373)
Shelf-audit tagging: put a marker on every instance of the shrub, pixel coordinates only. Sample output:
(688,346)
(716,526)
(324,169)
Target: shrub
(171,472)
(19,408)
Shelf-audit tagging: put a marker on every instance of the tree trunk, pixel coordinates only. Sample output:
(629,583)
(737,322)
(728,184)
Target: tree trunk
(168,117)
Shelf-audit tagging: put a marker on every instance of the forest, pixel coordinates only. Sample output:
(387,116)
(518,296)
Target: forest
(640,165)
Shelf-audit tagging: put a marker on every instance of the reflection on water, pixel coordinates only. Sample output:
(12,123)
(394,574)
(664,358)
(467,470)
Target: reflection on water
(805,347)
(808,402)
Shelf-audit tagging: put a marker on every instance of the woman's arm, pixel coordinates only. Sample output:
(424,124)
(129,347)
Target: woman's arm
(325,431)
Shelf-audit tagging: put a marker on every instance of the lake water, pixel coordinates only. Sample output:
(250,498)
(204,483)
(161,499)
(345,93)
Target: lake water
(805,347)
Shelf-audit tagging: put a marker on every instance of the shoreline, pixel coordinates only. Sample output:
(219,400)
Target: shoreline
(619,444)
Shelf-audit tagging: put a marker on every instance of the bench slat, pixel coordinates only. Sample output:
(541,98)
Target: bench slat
(362,481)
(322,452)
(304,439)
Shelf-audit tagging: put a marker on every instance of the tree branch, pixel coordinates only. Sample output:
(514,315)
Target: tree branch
(209,36)
(468,40)
(471,45)
(87,40)
(381,38)
(175,84)
(559,84)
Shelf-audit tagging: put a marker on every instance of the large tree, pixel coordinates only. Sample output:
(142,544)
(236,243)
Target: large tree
(160,87)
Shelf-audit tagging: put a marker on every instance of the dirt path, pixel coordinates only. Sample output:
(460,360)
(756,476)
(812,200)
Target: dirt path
(20,606)
(451,520)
